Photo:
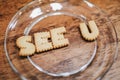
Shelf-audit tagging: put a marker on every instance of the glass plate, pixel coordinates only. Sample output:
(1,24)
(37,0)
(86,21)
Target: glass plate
(81,59)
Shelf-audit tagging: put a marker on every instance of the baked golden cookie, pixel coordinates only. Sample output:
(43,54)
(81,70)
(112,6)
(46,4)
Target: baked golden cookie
(25,45)
(89,35)
(41,41)
(58,37)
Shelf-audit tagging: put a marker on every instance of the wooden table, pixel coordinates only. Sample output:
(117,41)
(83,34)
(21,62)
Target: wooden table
(9,7)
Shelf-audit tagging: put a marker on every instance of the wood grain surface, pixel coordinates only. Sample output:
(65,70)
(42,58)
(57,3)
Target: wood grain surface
(9,7)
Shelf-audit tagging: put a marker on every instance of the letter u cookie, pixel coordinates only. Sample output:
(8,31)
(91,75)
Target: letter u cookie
(89,35)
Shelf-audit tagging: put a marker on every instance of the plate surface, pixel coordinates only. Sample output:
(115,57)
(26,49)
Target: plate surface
(81,58)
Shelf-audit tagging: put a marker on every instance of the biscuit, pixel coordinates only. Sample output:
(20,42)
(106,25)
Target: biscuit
(41,41)
(58,37)
(89,35)
(25,45)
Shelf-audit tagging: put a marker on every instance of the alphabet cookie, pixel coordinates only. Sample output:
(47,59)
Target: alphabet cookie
(58,37)
(41,41)
(25,45)
(94,32)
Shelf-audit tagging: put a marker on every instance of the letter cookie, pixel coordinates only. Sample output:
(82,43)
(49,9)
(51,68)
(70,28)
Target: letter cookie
(26,48)
(41,41)
(58,37)
(85,31)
